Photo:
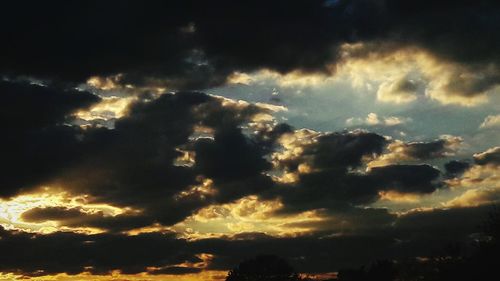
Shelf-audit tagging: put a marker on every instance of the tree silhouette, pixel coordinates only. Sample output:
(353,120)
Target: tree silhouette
(263,268)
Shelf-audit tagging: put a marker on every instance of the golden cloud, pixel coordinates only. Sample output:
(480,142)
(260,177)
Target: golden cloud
(481,183)
(399,74)
(107,108)
(248,214)
(292,148)
(11,210)
(478,176)
(373,119)
(399,151)
(294,79)
(490,121)
(203,190)
(395,196)
(476,197)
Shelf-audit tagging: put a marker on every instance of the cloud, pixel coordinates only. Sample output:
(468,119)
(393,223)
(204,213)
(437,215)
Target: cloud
(407,178)
(411,234)
(416,233)
(186,50)
(293,79)
(490,121)
(133,164)
(176,270)
(476,197)
(456,168)
(38,112)
(107,108)
(327,151)
(136,164)
(325,169)
(489,157)
(78,219)
(216,159)
(462,85)
(193,50)
(441,224)
(402,90)
(99,254)
(372,119)
(480,181)
(52,213)
(402,72)
(249,213)
(401,152)
(476,176)
(305,253)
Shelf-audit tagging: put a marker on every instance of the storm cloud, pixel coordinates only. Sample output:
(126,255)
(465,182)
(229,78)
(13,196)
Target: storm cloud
(34,131)
(410,235)
(196,44)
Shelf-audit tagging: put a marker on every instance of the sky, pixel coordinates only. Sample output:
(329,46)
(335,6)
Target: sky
(170,140)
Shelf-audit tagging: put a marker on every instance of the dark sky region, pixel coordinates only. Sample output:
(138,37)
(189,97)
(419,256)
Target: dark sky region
(170,140)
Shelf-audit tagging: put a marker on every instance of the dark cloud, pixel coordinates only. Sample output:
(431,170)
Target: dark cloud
(52,213)
(342,192)
(409,235)
(350,221)
(433,229)
(268,138)
(344,150)
(234,162)
(456,168)
(337,151)
(188,44)
(177,270)
(34,132)
(443,27)
(71,253)
(415,234)
(416,152)
(133,165)
(407,178)
(426,150)
(102,253)
(330,183)
(76,217)
(196,44)
(335,181)
(306,254)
